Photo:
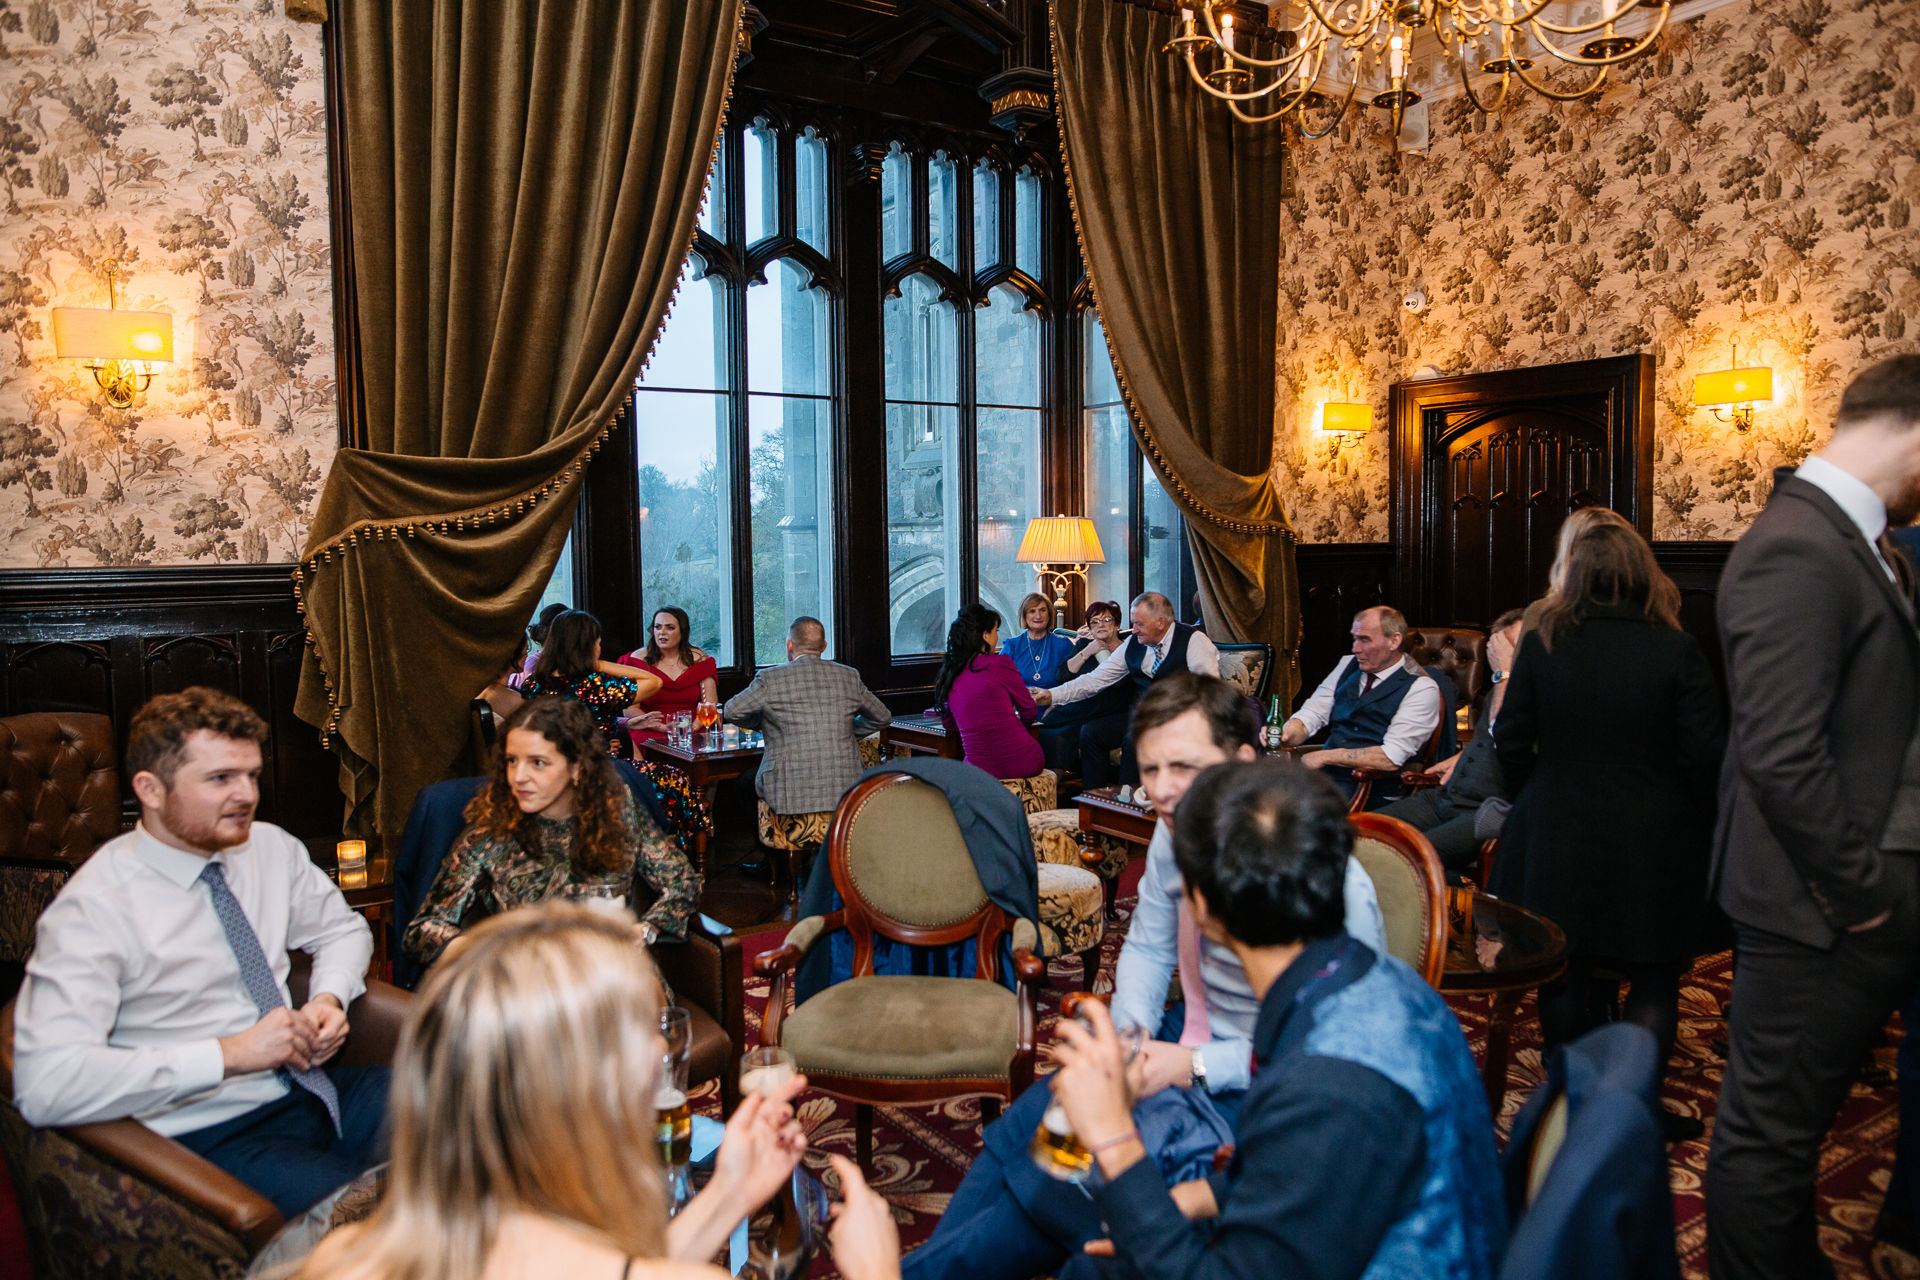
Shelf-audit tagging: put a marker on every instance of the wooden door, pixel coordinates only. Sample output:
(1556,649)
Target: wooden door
(1486,467)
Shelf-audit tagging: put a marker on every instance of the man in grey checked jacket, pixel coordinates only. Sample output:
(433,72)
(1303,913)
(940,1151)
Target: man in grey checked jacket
(810,711)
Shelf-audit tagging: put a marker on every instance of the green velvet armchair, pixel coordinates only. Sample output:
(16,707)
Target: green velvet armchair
(903,871)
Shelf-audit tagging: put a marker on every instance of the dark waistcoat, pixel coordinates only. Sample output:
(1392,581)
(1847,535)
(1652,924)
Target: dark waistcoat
(1363,722)
(1176,659)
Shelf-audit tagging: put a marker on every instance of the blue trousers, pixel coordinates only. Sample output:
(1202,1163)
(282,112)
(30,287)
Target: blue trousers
(287,1150)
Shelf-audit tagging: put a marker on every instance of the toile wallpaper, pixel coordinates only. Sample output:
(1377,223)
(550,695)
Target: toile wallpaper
(184,140)
(1750,185)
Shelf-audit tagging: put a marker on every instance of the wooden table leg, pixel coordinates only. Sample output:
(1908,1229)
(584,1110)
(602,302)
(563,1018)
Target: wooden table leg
(1109,885)
(1493,1073)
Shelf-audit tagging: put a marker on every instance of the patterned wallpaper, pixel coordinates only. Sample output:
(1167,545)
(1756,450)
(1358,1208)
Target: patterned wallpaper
(1750,184)
(186,141)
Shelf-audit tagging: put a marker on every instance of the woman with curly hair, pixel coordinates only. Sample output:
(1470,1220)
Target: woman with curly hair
(555,820)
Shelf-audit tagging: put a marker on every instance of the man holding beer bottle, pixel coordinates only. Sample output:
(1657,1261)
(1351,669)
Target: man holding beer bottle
(1011,1220)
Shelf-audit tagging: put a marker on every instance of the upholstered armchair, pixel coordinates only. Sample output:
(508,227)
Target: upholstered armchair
(59,801)
(116,1198)
(1248,668)
(1411,885)
(903,870)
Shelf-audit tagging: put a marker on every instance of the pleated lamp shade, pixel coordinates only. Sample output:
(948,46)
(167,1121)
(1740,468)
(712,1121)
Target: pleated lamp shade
(1060,540)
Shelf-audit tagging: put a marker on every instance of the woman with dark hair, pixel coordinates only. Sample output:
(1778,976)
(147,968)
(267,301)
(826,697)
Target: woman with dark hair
(555,820)
(982,698)
(1610,741)
(1102,632)
(1038,652)
(536,636)
(688,677)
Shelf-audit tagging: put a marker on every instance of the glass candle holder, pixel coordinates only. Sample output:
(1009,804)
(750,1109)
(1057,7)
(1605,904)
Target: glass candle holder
(353,864)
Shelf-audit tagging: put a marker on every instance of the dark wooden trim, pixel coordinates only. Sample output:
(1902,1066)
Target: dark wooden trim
(350,387)
(606,539)
(60,603)
(1627,382)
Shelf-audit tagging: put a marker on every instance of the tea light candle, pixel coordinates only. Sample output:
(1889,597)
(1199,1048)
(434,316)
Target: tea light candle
(353,864)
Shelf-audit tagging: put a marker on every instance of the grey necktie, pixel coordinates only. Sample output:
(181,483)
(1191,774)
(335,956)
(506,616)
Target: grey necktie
(258,975)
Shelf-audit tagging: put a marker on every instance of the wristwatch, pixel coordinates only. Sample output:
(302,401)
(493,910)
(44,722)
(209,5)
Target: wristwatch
(1498,676)
(1197,1073)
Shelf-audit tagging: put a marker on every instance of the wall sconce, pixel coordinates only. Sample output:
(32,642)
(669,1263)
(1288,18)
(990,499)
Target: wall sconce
(1346,423)
(120,347)
(1069,544)
(1741,388)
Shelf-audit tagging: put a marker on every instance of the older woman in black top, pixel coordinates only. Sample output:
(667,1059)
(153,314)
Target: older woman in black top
(1610,740)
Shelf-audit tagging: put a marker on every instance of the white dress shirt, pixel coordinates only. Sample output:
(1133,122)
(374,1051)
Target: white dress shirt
(1151,950)
(1853,496)
(1202,659)
(132,983)
(1412,724)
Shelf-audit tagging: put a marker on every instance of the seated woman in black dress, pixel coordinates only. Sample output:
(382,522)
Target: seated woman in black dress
(555,821)
(1610,740)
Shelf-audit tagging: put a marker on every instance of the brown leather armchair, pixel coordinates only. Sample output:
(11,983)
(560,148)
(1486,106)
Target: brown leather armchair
(59,801)
(117,1198)
(1460,652)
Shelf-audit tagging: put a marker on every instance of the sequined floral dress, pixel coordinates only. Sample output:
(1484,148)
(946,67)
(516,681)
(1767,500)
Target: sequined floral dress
(608,697)
(485,874)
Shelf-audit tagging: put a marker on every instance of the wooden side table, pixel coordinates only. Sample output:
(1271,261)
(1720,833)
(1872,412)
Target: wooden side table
(1507,952)
(707,770)
(1103,812)
(924,734)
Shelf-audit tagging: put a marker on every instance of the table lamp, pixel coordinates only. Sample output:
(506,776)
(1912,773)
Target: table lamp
(1064,547)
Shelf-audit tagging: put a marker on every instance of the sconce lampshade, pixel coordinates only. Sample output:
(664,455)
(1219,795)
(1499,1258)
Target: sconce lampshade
(1345,419)
(1060,540)
(90,333)
(1733,386)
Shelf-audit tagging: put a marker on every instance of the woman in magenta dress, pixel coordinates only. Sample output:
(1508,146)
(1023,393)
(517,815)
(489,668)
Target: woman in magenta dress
(983,699)
(688,677)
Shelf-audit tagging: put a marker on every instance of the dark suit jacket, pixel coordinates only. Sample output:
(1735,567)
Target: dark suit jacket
(1823,671)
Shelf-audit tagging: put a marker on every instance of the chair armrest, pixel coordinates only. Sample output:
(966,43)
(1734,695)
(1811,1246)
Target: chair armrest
(374,1025)
(1419,780)
(1375,775)
(1028,967)
(799,940)
(168,1165)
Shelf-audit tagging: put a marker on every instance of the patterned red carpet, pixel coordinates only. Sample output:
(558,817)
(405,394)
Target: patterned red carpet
(921,1153)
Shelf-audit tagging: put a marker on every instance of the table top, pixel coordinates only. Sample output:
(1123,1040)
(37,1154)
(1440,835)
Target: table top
(925,722)
(1108,798)
(1510,947)
(715,755)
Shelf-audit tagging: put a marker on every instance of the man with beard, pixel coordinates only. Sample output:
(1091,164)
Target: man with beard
(157,987)
(1819,828)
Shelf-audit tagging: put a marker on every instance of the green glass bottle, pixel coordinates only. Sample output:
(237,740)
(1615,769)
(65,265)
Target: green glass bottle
(1276,725)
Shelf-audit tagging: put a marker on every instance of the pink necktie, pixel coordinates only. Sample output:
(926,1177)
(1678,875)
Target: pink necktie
(1192,986)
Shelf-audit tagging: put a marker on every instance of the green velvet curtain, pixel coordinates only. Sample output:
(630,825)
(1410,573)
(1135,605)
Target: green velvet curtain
(523,178)
(1178,208)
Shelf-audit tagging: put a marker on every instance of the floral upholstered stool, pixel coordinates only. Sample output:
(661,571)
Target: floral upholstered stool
(1072,916)
(1057,838)
(799,834)
(1036,794)
(872,753)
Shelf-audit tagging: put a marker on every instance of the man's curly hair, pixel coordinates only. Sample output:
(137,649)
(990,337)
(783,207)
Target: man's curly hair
(604,843)
(157,739)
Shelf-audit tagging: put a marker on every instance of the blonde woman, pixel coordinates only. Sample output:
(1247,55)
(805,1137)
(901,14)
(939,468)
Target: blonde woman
(523,1141)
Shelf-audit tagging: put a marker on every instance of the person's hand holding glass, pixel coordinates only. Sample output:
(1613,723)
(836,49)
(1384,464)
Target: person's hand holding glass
(1092,1109)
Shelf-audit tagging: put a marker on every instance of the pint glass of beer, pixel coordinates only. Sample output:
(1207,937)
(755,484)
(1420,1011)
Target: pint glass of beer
(1055,1147)
(672,1117)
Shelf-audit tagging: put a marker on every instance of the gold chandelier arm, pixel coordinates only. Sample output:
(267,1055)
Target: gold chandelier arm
(1531,20)
(1614,61)
(1227,95)
(1370,19)
(1466,84)
(1311,136)
(1599,78)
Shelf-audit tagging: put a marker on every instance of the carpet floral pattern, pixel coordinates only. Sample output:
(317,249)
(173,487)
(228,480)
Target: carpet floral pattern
(921,1153)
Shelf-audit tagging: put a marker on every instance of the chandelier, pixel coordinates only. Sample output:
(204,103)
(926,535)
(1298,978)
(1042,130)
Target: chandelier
(1264,72)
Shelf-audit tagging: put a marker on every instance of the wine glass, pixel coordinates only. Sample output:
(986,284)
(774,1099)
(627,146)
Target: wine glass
(706,715)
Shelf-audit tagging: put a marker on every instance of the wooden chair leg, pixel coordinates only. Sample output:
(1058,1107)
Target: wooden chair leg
(989,1111)
(863,1137)
(1110,890)
(1089,968)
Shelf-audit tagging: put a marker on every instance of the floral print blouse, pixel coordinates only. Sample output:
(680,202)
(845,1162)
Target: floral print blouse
(493,873)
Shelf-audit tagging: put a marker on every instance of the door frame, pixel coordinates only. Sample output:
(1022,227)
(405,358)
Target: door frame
(1627,382)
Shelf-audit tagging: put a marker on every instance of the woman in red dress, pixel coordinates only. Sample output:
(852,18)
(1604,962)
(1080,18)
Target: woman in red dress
(687,676)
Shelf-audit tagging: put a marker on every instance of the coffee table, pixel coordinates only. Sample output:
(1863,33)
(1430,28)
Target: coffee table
(707,770)
(1508,952)
(925,734)
(1104,813)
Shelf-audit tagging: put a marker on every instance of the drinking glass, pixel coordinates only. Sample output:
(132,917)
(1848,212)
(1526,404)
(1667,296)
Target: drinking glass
(672,1116)
(764,1068)
(706,715)
(682,730)
(608,896)
(1055,1147)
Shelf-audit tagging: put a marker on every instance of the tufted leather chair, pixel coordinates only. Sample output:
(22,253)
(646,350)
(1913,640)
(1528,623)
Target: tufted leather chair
(59,801)
(1460,652)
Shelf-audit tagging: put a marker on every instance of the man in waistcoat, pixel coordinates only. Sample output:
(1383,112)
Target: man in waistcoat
(1817,855)
(1448,814)
(1378,705)
(1158,647)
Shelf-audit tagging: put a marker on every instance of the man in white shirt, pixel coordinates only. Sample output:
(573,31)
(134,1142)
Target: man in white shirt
(1378,706)
(1009,1221)
(157,987)
(1158,647)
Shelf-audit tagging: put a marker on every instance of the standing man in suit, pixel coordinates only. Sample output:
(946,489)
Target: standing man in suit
(1819,827)
(810,710)
(1447,814)
(1158,647)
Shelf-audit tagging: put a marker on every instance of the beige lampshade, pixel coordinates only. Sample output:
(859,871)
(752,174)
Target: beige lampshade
(1344,418)
(1733,386)
(1060,540)
(90,333)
